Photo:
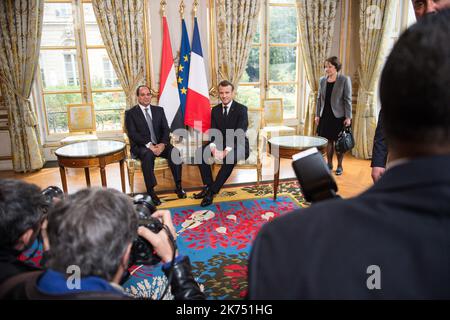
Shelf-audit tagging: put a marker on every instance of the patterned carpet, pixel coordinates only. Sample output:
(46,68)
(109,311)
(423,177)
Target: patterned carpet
(218,238)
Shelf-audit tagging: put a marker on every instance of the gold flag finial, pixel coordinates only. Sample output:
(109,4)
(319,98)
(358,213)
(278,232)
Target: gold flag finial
(163,4)
(182,6)
(195,8)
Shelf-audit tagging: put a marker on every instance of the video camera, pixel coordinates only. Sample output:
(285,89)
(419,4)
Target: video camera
(315,179)
(142,251)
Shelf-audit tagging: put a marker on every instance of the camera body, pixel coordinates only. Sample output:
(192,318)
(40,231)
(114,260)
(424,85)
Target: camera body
(50,194)
(316,181)
(142,251)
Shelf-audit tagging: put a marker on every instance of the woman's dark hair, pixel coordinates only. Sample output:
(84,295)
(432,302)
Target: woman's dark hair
(335,62)
(415,85)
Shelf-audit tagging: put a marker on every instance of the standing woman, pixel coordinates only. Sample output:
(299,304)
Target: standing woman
(334,108)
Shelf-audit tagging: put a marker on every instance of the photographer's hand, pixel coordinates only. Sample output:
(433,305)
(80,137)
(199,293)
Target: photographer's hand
(160,241)
(165,217)
(44,235)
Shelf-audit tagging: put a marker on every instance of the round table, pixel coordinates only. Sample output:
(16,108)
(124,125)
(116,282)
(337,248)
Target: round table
(86,154)
(287,146)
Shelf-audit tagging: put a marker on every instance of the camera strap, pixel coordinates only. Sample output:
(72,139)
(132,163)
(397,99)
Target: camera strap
(173,244)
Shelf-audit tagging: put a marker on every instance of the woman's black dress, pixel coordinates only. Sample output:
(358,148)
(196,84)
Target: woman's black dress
(329,125)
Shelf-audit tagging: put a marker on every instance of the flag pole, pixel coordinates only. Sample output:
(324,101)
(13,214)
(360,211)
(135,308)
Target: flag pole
(182,6)
(195,8)
(163,4)
(198,135)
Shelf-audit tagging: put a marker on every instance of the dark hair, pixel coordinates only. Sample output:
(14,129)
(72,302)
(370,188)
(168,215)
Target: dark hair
(20,209)
(335,62)
(91,229)
(415,85)
(142,86)
(226,83)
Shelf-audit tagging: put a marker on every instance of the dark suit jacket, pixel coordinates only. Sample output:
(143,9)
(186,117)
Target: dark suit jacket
(380,150)
(401,224)
(138,130)
(237,119)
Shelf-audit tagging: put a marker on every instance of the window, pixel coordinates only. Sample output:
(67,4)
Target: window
(273,62)
(71,70)
(74,67)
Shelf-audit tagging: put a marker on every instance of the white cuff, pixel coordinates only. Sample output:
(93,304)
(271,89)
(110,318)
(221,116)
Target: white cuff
(148,145)
(228,149)
(212,145)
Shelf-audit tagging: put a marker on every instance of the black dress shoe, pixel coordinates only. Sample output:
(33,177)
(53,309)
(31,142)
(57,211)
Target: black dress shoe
(207,200)
(155,198)
(202,193)
(339,171)
(181,194)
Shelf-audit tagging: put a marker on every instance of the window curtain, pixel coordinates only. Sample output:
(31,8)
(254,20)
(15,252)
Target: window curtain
(236,26)
(121,24)
(375,21)
(316,20)
(20,39)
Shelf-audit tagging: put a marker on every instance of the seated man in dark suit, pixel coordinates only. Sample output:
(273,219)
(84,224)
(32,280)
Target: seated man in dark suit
(149,137)
(228,142)
(392,241)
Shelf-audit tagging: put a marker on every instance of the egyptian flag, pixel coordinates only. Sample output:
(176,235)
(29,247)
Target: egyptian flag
(169,98)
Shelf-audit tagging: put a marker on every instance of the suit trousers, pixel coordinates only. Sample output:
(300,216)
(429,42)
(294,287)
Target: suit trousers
(204,160)
(147,158)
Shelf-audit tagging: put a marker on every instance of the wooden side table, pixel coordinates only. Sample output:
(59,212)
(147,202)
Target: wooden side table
(286,146)
(87,154)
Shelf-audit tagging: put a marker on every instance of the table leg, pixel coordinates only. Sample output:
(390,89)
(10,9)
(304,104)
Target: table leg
(88,178)
(62,172)
(103,175)
(122,175)
(276,179)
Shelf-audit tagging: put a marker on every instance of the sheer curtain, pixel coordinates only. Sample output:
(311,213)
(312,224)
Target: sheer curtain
(376,18)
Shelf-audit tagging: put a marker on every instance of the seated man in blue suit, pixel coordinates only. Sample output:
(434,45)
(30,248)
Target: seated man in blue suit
(392,241)
(149,138)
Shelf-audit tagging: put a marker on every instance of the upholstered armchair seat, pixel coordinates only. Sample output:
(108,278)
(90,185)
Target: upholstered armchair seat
(78,138)
(276,131)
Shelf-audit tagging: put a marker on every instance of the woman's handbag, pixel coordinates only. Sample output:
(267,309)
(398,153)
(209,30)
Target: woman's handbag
(345,140)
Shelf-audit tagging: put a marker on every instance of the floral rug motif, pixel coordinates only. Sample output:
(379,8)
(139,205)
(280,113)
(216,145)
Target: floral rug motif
(218,238)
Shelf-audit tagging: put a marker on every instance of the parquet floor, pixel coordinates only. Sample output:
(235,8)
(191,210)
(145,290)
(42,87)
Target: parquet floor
(356,177)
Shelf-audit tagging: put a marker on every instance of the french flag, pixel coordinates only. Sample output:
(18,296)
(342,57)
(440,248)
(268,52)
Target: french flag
(169,98)
(198,110)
